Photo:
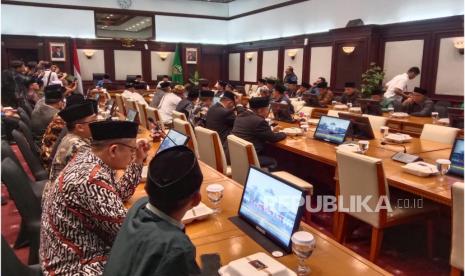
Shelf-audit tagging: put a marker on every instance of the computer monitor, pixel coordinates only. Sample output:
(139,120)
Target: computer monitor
(97,76)
(216,100)
(272,206)
(312,100)
(140,86)
(131,115)
(173,138)
(456,158)
(332,129)
(360,126)
(455,117)
(281,112)
(371,107)
(130,78)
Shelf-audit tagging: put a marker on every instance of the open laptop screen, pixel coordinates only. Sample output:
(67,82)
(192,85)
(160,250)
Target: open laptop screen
(456,158)
(332,129)
(272,206)
(173,138)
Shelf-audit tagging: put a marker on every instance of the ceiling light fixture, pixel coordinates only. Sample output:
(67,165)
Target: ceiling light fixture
(458,44)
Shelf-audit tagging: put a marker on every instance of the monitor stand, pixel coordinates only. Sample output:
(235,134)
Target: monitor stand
(257,236)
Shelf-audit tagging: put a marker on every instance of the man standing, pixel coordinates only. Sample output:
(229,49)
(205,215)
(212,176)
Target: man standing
(350,94)
(43,114)
(50,77)
(418,104)
(83,209)
(396,87)
(77,118)
(252,126)
(290,75)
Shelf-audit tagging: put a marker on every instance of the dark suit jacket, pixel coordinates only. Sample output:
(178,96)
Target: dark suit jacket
(255,129)
(220,120)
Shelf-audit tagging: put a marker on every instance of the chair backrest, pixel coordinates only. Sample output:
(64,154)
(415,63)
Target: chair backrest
(142,114)
(376,122)
(155,116)
(179,115)
(242,154)
(8,152)
(440,134)
(13,266)
(299,106)
(254,87)
(186,129)
(441,108)
(20,190)
(247,88)
(24,116)
(210,149)
(28,135)
(129,104)
(456,255)
(334,113)
(307,110)
(32,161)
(120,104)
(371,183)
(28,108)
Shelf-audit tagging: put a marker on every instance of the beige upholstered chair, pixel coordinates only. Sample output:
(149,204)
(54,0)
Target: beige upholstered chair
(376,122)
(120,104)
(440,134)
(142,108)
(155,115)
(254,87)
(242,155)
(210,150)
(179,115)
(372,182)
(298,105)
(247,89)
(334,113)
(186,129)
(307,110)
(129,104)
(456,255)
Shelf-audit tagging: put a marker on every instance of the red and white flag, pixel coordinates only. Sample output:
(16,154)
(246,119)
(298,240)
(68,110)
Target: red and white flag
(77,69)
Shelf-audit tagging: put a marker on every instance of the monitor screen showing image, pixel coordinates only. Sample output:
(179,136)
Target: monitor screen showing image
(216,100)
(456,158)
(272,206)
(173,138)
(332,129)
(131,116)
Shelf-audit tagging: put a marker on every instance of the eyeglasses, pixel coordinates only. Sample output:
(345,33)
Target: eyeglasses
(133,149)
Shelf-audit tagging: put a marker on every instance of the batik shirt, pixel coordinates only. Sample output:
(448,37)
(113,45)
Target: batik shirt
(198,115)
(50,138)
(68,147)
(82,211)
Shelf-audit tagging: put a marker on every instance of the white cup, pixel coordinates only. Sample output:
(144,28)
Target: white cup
(384,131)
(363,146)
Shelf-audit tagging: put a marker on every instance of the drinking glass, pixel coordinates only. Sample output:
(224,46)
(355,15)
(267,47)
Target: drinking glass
(443,166)
(391,111)
(303,244)
(349,105)
(435,116)
(333,103)
(384,131)
(363,146)
(215,194)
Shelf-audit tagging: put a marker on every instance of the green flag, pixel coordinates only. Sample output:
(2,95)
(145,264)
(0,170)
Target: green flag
(176,75)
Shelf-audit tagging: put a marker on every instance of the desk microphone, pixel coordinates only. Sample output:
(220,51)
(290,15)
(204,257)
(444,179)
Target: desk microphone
(393,144)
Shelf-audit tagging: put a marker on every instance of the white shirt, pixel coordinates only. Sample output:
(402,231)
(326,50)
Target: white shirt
(167,105)
(398,82)
(134,96)
(53,78)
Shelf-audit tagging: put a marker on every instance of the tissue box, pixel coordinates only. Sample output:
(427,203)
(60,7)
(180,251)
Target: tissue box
(420,168)
(398,138)
(257,264)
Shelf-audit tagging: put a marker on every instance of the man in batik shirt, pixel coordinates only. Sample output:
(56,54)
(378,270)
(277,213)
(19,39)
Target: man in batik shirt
(199,113)
(83,209)
(77,118)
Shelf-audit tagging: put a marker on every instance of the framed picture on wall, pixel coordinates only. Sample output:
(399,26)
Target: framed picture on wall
(57,51)
(191,55)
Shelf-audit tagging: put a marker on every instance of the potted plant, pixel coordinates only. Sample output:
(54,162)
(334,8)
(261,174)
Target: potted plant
(195,78)
(371,79)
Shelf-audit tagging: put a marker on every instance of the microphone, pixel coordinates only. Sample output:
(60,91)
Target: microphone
(385,143)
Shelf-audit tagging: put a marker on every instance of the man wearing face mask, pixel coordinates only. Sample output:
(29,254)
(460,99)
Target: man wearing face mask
(83,209)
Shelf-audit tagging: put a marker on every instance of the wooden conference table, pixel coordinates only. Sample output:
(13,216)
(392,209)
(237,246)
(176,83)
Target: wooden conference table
(217,234)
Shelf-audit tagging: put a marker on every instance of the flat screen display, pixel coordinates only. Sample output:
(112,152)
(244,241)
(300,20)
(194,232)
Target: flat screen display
(332,129)
(360,126)
(173,138)
(271,205)
(216,100)
(456,158)
(131,116)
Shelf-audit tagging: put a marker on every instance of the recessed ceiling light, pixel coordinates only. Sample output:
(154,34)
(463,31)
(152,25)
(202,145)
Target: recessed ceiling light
(111,14)
(108,17)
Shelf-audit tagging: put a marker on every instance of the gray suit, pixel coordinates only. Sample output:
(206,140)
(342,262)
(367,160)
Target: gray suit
(157,98)
(41,118)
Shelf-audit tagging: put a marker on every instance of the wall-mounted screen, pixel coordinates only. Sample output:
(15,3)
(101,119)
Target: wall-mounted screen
(124,25)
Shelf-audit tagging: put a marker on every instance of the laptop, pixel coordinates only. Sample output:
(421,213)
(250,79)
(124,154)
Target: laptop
(371,107)
(216,100)
(332,129)
(455,117)
(173,138)
(456,158)
(281,112)
(132,115)
(272,206)
(360,126)
(312,100)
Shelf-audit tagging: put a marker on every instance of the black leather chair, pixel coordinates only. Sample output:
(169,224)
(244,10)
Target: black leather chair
(32,161)
(24,116)
(30,139)
(28,108)
(28,205)
(441,108)
(11,265)
(8,152)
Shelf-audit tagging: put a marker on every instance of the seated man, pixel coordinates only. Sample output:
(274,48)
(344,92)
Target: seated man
(304,87)
(291,89)
(372,106)
(252,126)
(260,84)
(77,118)
(43,114)
(131,93)
(160,93)
(325,96)
(418,104)
(83,208)
(165,78)
(282,114)
(350,94)
(105,79)
(152,239)
(169,102)
(199,113)
(186,105)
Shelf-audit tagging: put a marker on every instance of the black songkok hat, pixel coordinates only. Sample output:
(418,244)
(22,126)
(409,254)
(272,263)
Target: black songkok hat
(207,94)
(94,104)
(323,84)
(270,81)
(76,112)
(165,84)
(106,130)
(74,99)
(259,102)
(349,84)
(280,88)
(229,95)
(420,90)
(222,83)
(305,85)
(167,182)
(54,92)
(193,93)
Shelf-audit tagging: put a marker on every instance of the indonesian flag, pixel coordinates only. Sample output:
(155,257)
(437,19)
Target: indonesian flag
(77,69)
